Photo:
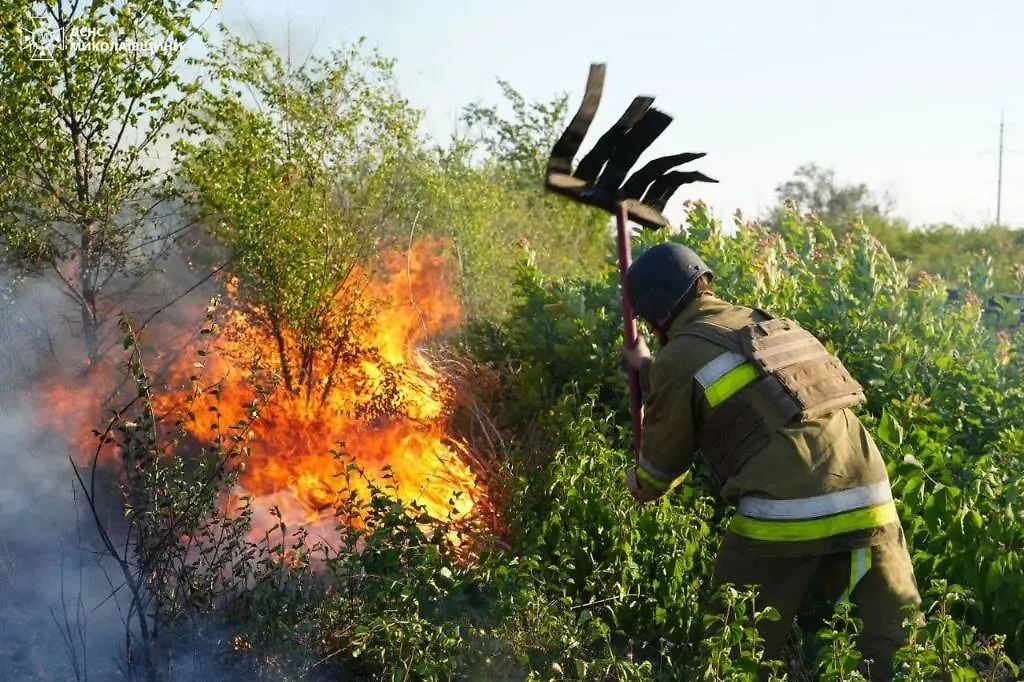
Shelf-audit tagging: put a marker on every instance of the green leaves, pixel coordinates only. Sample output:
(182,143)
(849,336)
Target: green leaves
(296,184)
(304,174)
(82,122)
(939,405)
(890,430)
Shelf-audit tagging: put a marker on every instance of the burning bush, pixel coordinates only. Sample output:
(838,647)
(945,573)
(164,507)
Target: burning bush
(367,396)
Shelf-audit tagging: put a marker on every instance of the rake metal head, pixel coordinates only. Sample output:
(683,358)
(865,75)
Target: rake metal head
(598,179)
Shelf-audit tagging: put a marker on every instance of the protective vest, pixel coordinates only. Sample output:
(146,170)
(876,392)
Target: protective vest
(774,373)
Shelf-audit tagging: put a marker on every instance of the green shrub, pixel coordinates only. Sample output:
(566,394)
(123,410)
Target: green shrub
(589,585)
(944,398)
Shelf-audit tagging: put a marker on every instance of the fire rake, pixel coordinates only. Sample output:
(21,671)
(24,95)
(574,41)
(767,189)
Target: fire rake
(598,181)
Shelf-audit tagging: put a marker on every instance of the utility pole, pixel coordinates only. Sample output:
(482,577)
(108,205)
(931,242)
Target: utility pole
(999,182)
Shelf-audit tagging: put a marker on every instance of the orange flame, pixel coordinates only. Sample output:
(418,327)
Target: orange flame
(368,392)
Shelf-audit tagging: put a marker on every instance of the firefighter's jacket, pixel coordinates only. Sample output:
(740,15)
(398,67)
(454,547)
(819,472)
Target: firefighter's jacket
(815,484)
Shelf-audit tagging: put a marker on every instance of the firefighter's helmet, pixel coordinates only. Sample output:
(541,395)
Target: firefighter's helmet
(661,278)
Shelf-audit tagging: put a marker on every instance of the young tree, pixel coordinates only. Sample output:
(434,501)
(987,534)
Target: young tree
(89,92)
(486,190)
(814,189)
(520,145)
(295,172)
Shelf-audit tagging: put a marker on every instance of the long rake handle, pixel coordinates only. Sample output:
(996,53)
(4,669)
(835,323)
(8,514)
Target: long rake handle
(629,325)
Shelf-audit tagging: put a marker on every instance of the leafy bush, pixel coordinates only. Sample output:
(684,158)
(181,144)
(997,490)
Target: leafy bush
(586,584)
(944,387)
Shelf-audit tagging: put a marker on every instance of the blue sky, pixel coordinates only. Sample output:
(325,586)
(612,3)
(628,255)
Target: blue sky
(905,96)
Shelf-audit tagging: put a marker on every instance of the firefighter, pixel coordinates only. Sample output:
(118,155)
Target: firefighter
(769,410)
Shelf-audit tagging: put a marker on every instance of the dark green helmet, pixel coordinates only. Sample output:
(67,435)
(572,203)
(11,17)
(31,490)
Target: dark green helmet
(661,277)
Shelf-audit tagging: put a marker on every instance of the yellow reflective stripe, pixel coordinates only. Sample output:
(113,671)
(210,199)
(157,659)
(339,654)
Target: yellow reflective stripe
(650,481)
(860,564)
(814,529)
(730,383)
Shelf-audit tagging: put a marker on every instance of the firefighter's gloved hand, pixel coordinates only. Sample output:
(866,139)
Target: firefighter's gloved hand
(634,358)
(641,492)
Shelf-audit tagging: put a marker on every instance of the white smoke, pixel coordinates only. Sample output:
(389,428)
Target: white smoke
(62,614)
(63,601)
(56,621)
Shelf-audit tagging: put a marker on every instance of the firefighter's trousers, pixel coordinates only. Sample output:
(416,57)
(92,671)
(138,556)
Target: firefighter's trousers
(878,599)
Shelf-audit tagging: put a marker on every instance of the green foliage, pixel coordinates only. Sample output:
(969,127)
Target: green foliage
(597,547)
(177,552)
(983,258)
(563,334)
(296,184)
(518,147)
(814,190)
(484,191)
(944,648)
(944,391)
(79,199)
(838,658)
(302,173)
(733,650)
(963,258)
(567,239)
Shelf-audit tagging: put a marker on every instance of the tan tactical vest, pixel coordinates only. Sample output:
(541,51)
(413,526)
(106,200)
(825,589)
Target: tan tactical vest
(780,375)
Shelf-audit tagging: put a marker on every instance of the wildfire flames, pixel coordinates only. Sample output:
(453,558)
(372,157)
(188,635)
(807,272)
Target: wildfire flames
(372,395)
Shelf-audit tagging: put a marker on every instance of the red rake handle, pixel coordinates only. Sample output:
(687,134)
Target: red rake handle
(629,325)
